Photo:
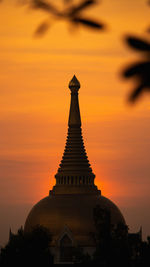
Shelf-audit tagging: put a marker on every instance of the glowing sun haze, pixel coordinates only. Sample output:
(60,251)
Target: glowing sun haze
(34,108)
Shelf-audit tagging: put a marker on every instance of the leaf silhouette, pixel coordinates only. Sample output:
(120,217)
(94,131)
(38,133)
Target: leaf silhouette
(42,29)
(135,94)
(67,1)
(45,6)
(84,4)
(140,69)
(89,23)
(138,44)
(142,73)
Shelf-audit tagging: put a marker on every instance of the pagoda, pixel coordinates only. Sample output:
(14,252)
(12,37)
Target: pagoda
(70,209)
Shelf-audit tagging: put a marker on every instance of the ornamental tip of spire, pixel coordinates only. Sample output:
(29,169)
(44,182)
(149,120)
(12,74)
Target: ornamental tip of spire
(74,84)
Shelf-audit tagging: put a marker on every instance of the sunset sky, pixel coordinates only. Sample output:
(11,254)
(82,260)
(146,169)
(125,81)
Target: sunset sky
(34,108)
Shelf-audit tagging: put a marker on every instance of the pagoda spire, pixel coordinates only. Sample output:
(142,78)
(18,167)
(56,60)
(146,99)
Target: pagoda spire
(74,174)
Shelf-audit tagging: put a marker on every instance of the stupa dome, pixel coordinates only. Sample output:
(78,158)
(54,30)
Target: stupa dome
(69,210)
(74,212)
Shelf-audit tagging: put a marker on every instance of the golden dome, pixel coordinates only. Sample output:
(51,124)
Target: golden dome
(75,212)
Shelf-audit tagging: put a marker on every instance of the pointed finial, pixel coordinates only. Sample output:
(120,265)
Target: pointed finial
(74,84)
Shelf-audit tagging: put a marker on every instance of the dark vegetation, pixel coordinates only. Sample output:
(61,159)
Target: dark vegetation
(139,70)
(114,246)
(112,241)
(27,249)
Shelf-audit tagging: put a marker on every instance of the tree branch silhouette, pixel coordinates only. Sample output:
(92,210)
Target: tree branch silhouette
(72,13)
(139,70)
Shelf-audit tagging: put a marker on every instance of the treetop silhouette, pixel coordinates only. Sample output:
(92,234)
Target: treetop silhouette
(139,70)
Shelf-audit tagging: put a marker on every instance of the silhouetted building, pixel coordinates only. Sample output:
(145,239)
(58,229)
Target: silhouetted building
(75,207)
(135,245)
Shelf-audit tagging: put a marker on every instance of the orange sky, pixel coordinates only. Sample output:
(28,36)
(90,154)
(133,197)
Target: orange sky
(34,107)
